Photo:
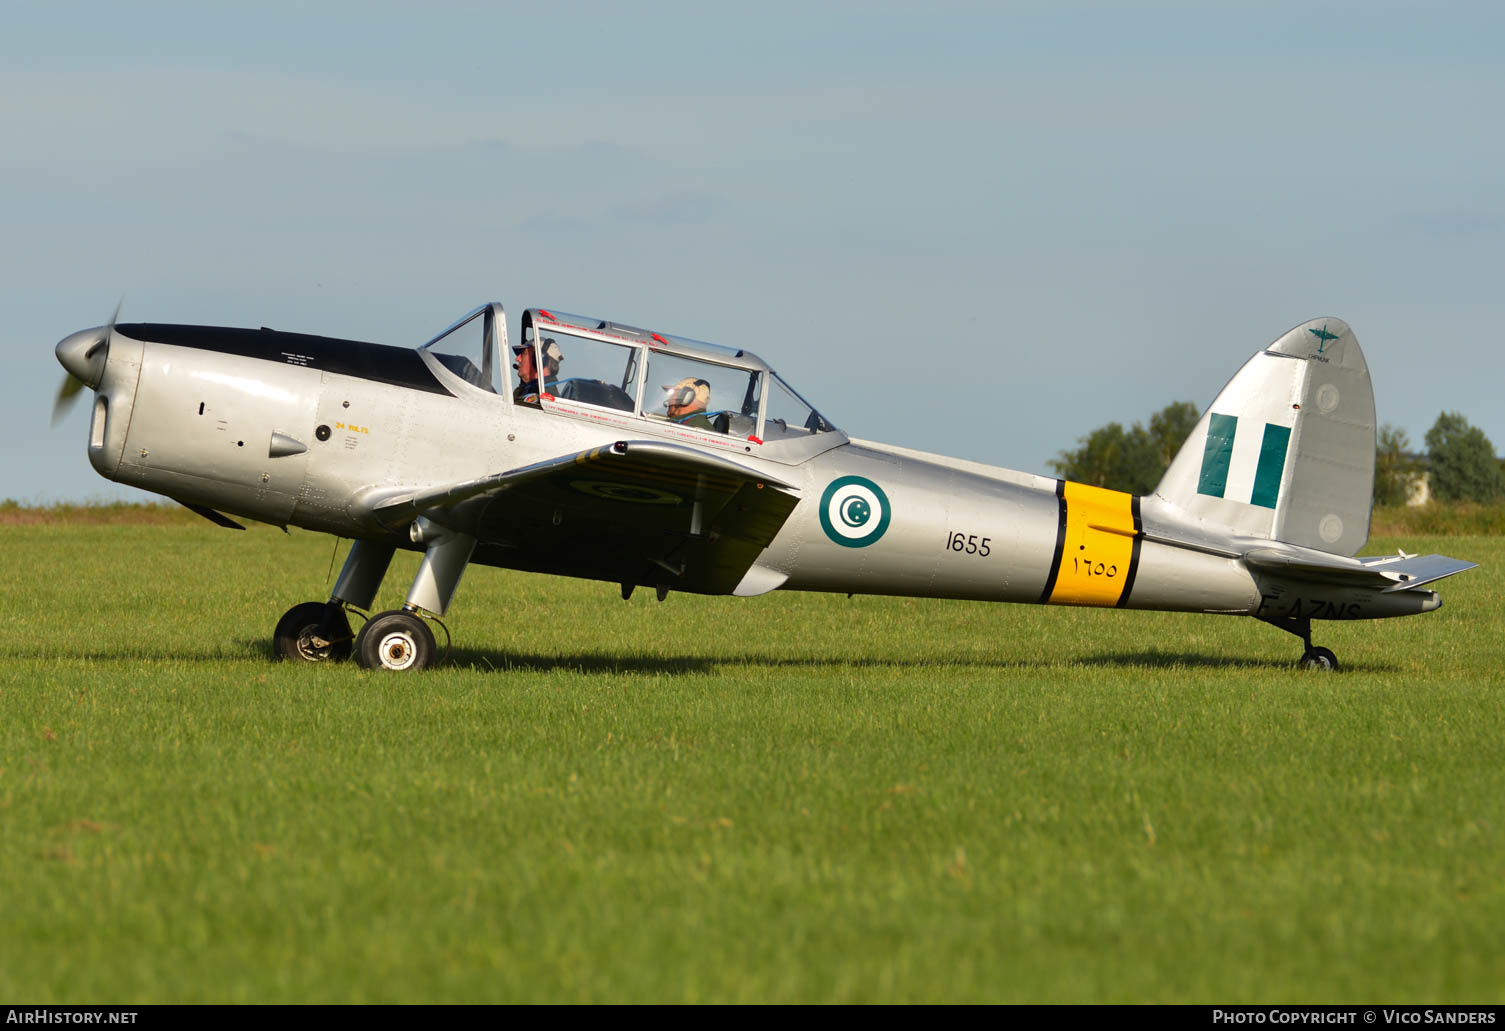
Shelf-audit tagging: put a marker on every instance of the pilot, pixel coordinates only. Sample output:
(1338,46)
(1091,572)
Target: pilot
(527,373)
(687,401)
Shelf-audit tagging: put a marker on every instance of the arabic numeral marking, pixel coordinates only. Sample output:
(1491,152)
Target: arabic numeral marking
(1087,567)
(968,543)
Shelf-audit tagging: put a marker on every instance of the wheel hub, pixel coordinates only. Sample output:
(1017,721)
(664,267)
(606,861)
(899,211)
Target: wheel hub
(397,650)
(311,646)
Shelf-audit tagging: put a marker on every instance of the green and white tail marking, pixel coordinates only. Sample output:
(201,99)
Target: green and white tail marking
(1286,450)
(1244,466)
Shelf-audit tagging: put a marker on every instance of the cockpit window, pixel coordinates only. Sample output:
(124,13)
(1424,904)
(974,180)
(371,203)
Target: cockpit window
(702,395)
(462,350)
(571,360)
(579,369)
(789,415)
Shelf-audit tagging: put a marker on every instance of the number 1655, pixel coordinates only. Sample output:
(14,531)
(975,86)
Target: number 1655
(969,543)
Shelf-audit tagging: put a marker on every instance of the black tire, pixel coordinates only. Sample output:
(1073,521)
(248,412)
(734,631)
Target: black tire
(397,641)
(293,638)
(1321,660)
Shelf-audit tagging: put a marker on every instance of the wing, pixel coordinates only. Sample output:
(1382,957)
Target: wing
(637,512)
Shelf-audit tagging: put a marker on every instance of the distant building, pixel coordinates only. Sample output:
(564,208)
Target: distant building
(1419,480)
(1418,488)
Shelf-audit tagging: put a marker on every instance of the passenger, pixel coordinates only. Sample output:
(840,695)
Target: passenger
(687,401)
(527,373)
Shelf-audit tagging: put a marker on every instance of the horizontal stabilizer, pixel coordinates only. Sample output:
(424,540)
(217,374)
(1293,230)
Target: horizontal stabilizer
(1415,570)
(1388,573)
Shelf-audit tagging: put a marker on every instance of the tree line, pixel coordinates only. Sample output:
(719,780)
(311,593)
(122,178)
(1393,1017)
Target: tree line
(1459,459)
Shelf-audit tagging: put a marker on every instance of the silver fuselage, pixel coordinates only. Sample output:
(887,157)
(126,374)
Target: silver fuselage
(253,428)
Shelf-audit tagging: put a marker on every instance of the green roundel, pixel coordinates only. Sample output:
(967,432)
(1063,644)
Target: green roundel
(854,511)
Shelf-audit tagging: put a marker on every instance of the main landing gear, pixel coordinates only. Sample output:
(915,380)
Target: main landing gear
(397,640)
(315,631)
(1314,658)
(318,631)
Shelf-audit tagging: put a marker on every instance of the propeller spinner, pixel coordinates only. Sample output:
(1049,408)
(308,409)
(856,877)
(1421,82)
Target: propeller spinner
(83,355)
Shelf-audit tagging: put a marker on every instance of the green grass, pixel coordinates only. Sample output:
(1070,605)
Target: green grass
(1436,517)
(789,798)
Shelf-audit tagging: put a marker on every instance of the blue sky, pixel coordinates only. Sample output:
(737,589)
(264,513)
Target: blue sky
(984,229)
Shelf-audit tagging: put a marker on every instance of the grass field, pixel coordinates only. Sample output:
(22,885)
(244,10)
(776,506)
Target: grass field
(789,798)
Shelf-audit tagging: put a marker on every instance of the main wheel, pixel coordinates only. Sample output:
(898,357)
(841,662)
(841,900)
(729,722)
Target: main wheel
(396,641)
(296,635)
(1320,659)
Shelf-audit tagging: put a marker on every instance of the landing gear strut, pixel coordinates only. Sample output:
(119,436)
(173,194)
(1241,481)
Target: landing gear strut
(396,640)
(1314,658)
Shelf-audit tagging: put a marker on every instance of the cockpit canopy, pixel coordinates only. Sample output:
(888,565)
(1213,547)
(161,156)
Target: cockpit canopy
(564,361)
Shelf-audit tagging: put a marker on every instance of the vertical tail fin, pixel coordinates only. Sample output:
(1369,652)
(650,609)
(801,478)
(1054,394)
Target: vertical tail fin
(1286,451)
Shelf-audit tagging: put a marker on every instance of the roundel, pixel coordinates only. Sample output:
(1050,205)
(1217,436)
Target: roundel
(854,511)
(634,493)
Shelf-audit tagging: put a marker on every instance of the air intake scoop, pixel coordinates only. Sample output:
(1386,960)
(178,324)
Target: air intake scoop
(283,446)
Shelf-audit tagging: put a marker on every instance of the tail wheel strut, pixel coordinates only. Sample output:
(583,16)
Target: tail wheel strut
(1314,658)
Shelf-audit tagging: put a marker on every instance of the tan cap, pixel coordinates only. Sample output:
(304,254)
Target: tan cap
(686,392)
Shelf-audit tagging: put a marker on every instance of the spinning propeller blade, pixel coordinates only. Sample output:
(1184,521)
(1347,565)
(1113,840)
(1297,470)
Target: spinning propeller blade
(73,382)
(66,392)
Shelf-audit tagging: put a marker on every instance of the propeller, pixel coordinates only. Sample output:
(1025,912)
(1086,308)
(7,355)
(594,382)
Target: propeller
(83,355)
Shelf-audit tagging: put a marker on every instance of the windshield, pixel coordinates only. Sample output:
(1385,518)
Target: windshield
(789,415)
(463,350)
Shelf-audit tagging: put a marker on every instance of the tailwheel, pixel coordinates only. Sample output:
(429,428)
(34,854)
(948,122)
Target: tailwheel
(1320,659)
(314,631)
(395,640)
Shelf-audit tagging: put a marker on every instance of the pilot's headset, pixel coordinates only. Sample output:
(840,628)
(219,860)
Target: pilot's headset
(686,392)
(551,352)
(549,347)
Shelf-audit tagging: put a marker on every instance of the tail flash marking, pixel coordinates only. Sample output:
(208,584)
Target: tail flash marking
(1233,469)
(1272,464)
(1218,455)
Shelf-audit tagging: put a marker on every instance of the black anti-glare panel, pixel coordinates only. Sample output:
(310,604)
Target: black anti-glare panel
(399,366)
